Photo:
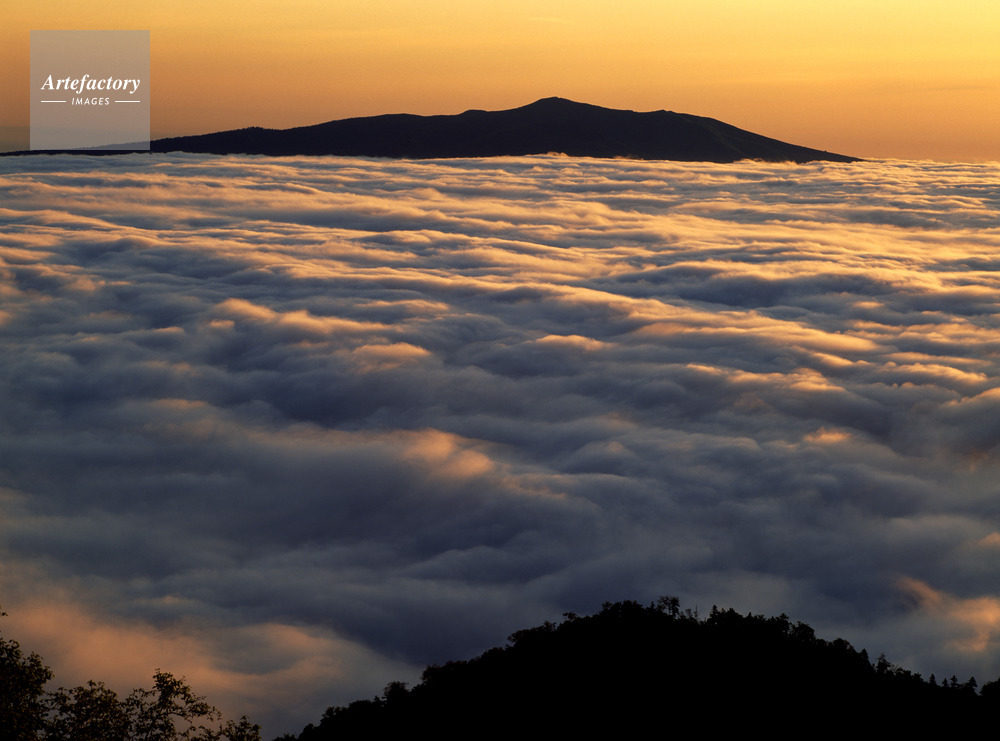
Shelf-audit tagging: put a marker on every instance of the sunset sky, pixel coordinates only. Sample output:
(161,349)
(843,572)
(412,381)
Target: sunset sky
(893,78)
(295,427)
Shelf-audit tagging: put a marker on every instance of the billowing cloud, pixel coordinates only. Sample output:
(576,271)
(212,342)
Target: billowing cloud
(312,423)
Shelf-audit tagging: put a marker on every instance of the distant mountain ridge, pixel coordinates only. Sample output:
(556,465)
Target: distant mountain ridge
(547,125)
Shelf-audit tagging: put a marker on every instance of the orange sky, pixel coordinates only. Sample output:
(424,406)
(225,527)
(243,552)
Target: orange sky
(892,78)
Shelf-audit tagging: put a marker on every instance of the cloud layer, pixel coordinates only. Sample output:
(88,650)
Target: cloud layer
(297,427)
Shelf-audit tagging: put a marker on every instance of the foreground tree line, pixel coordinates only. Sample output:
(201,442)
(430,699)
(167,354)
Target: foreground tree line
(631,668)
(168,711)
(627,668)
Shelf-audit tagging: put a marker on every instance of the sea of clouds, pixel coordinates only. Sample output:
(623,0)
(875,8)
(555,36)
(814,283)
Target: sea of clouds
(297,427)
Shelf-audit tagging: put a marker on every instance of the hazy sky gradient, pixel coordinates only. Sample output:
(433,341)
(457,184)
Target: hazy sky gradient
(894,78)
(295,427)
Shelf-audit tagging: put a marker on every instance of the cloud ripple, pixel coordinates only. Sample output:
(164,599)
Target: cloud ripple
(311,423)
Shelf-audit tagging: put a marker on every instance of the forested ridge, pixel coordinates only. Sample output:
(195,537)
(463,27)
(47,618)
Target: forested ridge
(626,668)
(632,667)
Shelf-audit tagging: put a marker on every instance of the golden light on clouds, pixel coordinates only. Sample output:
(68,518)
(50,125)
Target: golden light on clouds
(977,619)
(887,79)
(85,645)
(314,424)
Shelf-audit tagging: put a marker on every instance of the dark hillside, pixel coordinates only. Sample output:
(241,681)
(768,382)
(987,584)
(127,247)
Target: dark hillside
(632,668)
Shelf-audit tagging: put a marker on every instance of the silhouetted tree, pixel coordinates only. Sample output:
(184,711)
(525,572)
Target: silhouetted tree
(170,711)
(87,713)
(22,687)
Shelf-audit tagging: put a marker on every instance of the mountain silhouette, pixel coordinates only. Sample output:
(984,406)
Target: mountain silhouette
(547,125)
(633,670)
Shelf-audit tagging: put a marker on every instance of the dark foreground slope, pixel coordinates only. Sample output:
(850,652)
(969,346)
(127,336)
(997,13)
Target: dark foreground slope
(633,669)
(548,125)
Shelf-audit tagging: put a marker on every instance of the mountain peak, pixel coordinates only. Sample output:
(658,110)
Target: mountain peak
(554,101)
(561,104)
